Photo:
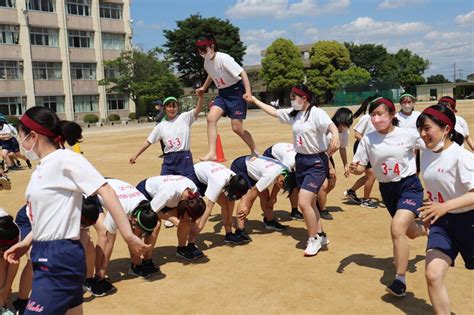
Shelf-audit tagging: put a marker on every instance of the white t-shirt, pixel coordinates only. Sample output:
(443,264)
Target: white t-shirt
(461,126)
(8,130)
(264,170)
(391,155)
(285,153)
(364,125)
(448,174)
(223,70)
(343,138)
(129,198)
(54,194)
(215,176)
(309,136)
(167,190)
(407,121)
(174,133)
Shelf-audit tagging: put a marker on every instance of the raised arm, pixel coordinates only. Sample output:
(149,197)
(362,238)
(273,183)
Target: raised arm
(270,110)
(200,91)
(199,105)
(248,91)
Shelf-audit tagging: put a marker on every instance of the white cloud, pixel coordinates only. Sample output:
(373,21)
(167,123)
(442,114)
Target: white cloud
(252,54)
(312,33)
(153,26)
(465,19)
(395,4)
(283,9)
(368,27)
(261,34)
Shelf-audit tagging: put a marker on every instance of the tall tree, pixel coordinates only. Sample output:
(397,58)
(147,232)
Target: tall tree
(326,57)
(409,68)
(282,65)
(352,78)
(141,73)
(370,57)
(436,78)
(180,43)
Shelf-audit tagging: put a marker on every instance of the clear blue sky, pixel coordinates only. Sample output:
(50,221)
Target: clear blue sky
(441,31)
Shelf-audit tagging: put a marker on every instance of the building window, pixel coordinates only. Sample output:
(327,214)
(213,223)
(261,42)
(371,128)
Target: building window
(42,5)
(81,39)
(54,103)
(12,105)
(10,70)
(111,73)
(113,41)
(78,7)
(8,34)
(117,101)
(110,10)
(85,103)
(83,71)
(7,3)
(47,70)
(44,36)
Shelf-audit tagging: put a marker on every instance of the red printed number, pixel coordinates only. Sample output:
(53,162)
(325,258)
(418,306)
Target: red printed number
(174,143)
(440,197)
(396,169)
(300,141)
(219,82)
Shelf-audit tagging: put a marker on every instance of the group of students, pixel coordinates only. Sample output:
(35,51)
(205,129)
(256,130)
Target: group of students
(59,207)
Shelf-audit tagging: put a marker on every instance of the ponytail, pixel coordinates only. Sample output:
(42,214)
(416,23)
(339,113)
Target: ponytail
(363,107)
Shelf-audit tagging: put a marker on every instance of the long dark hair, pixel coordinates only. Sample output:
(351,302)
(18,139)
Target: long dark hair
(343,117)
(363,107)
(453,134)
(312,101)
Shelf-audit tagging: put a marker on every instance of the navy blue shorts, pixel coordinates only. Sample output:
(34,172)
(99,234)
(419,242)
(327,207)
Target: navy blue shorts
(231,101)
(23,222)
(268,153)
(240,168)
(59,271)
(179,163)
(311,171)
(201,188)
(11,145)
(453,233)
(141,188)
(405,194)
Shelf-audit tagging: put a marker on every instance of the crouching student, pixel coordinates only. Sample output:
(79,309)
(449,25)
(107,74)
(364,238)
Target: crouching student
(260,172)
(176,198)
(222,186)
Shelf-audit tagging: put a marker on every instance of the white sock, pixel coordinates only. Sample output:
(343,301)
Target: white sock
(401,278)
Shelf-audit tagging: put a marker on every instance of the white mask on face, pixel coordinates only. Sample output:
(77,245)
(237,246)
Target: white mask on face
(440,144)
(407,108)
(296,106)
(30,154)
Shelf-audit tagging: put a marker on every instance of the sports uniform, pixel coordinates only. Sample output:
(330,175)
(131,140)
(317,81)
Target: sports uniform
(10,144)
(213,177)
(283,152)
(407,121)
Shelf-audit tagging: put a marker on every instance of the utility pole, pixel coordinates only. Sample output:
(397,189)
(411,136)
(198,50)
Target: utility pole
(454,79)
(460,74)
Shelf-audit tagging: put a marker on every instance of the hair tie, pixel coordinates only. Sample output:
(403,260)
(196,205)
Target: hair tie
(59,140)
(193,195)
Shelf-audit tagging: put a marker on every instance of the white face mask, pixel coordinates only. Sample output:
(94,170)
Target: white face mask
(296,106)
(30,154)
(407,108)
(440,144)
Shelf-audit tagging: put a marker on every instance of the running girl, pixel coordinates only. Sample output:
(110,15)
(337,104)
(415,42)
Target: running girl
(461,124)
(390,151)
(310,125)
(9,236)
(448,173)
(10,146)
(54,198)
(407,116)
(234,93)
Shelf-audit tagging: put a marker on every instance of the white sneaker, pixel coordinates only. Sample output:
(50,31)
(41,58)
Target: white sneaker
(324,240)
(313,247)
(168,224)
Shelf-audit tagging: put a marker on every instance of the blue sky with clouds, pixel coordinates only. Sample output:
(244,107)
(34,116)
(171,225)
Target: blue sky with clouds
(439,30)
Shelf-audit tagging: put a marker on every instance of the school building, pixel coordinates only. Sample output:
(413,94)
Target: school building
(52,53)
(432,92)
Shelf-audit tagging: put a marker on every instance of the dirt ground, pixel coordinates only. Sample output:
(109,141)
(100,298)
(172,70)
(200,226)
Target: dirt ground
(270,274)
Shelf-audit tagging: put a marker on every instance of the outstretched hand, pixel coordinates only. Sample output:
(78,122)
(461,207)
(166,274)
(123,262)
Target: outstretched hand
(432,211)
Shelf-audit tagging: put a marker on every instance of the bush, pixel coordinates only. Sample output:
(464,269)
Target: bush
(12,120)
(114,117)
(91,118)
(132,115)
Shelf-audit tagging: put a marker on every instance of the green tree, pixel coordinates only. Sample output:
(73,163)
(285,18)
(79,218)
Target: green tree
(142,74)
(282,66)
(409,68)
(326,57)
(436,78)
(351,78)
(181,41)
(371,57)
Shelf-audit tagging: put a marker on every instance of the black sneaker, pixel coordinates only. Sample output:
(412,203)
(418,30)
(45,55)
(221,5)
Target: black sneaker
(240,233)
(193,249)
(184,253)
(231,238)
(273,225)
(28,162)
(368,203)
(105,286)
(397,288)
(296,215)
(352,196)
(18,163)
(20,306)
(325,215)
(150,266)
(87,285)
(138,271)
(97,288)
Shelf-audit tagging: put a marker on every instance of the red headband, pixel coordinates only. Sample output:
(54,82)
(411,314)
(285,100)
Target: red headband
(9,242)
(440,116)
(386,102)
(193,195)
(204,42)
(300,93)
(33,125)
(450,101)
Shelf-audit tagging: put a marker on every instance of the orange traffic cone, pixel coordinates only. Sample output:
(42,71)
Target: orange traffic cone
(219,150)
